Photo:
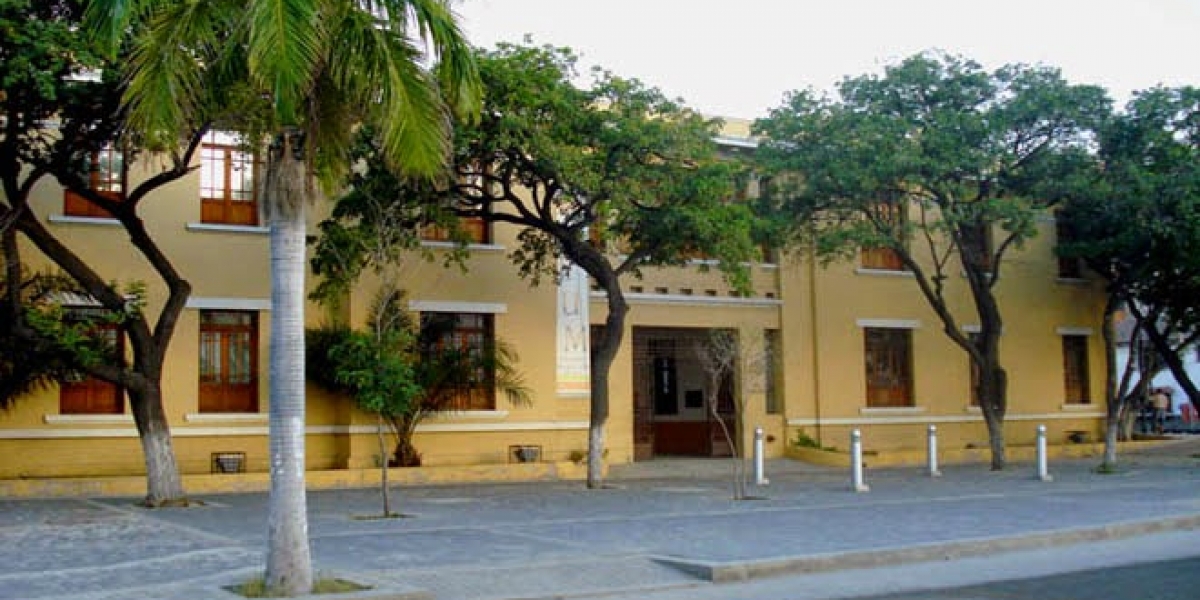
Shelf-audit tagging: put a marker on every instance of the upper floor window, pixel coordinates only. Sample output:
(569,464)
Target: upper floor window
(228,190)
(475,229)
(888,357)
(106,176)
(228,361)
(1068,267)
(889,216)
(468,337)
(978,247)
(84,394)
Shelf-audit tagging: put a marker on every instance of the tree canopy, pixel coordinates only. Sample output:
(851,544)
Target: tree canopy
(941,162)
(1137,224)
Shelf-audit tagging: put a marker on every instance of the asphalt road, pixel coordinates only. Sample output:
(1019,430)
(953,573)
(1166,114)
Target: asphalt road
(1163,580)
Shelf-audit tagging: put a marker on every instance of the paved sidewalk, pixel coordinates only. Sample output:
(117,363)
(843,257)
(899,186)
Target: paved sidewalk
(664,525)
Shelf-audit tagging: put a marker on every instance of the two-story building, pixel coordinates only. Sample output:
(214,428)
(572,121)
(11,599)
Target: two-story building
(849,345)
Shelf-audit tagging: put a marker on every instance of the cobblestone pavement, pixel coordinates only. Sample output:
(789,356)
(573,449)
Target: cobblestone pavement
(662,525)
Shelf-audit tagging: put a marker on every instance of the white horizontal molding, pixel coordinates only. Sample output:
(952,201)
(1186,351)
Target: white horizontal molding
(734,141)
(69,220)
(440,245)
(972,328)
(450,306)
(1078,407)
(87,419)
(469,414)
(1074,331)
(893,410)
(689,300)
(262,430)
(926,419)
(213,303)
(889,323)
(226,417)
(221,228)
(884,272)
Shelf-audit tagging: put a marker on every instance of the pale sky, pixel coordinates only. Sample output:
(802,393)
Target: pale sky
(737,58)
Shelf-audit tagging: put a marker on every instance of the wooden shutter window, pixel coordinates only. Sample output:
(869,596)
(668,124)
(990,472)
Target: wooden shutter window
(888,354)
(228,361)
(1075,369)
(106,176)
(89,395)
(228,192)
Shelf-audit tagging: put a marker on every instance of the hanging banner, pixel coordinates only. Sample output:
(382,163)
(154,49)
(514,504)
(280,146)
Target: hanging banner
(574,347)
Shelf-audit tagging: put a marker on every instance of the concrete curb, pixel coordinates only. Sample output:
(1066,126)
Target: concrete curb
(732,571)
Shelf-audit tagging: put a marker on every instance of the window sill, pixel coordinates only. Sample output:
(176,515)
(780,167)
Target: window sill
(71,220)
(225,418)
(899,410)
(471,414)
(221,228)
(1075,281)
(86,419)
(883,272)
(452,245)
(1078,407)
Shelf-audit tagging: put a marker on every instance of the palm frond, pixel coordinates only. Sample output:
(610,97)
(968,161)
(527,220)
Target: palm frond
(286,45)
(167,69)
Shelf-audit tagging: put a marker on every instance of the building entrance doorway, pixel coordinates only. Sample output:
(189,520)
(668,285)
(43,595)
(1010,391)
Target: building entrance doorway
(672,396)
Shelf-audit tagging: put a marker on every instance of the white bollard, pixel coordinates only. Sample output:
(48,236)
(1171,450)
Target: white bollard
(933,453)
(856,463)
(1043,469)
(760,477)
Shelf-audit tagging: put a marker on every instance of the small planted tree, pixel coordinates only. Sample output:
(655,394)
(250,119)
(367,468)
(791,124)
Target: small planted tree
(724,356)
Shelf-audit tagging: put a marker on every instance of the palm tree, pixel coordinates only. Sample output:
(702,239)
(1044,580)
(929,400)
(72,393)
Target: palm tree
(306,73)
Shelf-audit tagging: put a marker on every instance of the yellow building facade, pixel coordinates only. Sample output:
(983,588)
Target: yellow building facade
(845,346)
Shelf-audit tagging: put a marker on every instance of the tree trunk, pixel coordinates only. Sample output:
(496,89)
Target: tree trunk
(164,486)
(602,360)
(993,391)
(1113,395)
(289,561)
(383,466)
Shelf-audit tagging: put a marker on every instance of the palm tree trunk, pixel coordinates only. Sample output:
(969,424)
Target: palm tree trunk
(289,560)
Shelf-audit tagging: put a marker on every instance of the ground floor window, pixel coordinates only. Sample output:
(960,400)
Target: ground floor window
(228,361)
(888,357)
(465,338)
(87,395)
(1075,369)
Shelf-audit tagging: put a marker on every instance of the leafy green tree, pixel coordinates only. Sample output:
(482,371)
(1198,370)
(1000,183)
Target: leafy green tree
(317,68)
(965,158)
(1137,226)
(611,178)
(51,73)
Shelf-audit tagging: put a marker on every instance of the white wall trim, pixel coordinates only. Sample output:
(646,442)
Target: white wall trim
(214,303)
(450,306)
(182,432)
(893,410)
(916,420)
(1074,331)
(1076,281)
(223,228)
(71,220)
(226,417)
(685,300)
(87,419)
(889,323)
(453,245)
(884,272)
(972,328)
(1078,407)
(469,414)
